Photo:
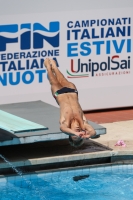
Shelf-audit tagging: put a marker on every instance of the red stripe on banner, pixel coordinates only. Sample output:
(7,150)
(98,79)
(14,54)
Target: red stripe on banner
(115,56)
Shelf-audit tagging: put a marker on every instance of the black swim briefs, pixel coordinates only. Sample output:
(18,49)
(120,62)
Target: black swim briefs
(65,90)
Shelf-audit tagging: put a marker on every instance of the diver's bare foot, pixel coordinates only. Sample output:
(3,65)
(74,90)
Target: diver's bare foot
(47,63)
(53,64)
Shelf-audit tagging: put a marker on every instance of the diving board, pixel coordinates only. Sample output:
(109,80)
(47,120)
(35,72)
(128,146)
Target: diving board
(44,116)
(14,124)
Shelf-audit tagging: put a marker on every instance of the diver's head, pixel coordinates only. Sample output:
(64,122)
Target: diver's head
(75,141)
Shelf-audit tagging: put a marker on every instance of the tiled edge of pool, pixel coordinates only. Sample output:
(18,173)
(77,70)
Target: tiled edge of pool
(73,171)
(113,157)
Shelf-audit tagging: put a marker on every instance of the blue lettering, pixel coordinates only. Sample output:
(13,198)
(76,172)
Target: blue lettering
(22,55)
(85,23)
(50,53)
(93,33)
(9,56)
(129,31)
(3,56)
(31,77)
(118,49)
(103,22)
(17,78)
(124,20)
(111,22)
(110,32)
(68,35)
(92,22)
(34,64)
(102,32)
(77,24)
(28,55)
(70,24)
(19,66)
(93,67)
(85,34)
(128,45)
(12,66)
(11,28)
(3,65)
(107,47)
(27,64)
(40,75)
(3,79)
(103,66)
(120,31)
(56,52)
(85,47)
(43,53)
(118,21)
(70,49)
(76,33)
(16,55)
(98,46)
(25,37)
(117,65)
(38,38)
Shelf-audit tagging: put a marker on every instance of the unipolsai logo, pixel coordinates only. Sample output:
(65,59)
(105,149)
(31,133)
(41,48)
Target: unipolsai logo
(112,65)
(78,71)
(31,35)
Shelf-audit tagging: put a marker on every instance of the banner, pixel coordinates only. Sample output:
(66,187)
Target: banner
(93,49)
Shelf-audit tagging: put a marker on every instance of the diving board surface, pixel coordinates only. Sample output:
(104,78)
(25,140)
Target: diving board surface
(15,124)
(41,113)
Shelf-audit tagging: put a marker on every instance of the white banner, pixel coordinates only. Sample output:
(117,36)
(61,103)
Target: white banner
(93,49)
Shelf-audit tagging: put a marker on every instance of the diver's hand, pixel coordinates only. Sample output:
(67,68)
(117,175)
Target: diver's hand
(89,130)
(70,132)
(80,134)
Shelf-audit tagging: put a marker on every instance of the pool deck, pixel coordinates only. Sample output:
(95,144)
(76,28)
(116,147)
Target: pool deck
(119,124)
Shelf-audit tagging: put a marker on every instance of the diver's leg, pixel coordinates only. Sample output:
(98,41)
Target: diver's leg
(55,85)
(60,77)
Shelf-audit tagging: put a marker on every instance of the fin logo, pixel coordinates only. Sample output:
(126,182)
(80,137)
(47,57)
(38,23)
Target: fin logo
(9,34)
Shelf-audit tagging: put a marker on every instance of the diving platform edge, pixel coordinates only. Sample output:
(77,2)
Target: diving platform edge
(40,113)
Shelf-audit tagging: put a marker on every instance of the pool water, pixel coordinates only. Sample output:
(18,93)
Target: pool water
(103,183)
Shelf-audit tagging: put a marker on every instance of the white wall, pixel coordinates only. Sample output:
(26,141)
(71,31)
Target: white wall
(8,7)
